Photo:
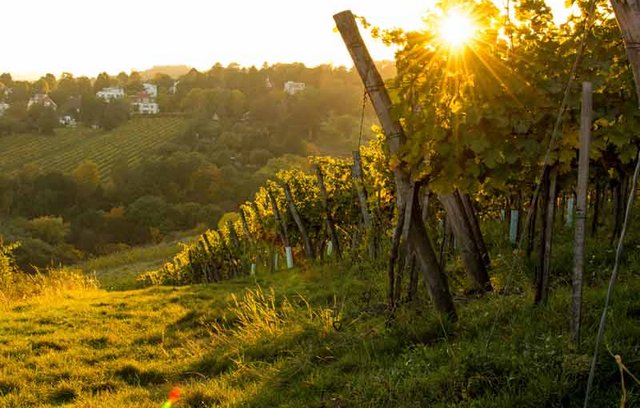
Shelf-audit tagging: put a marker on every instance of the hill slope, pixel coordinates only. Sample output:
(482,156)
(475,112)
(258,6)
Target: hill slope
(315,338)
(69,147)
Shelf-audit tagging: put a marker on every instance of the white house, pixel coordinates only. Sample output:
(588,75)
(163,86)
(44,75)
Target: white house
(143,103)
(67,120)
(148,108)
(110,93)
(42,99)
(293,88)
(3,108)
(151,89)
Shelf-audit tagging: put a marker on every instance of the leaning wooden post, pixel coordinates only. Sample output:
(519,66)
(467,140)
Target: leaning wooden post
(474,264)
(324,198)
(394,140)
(581,210)
(233,234)
(628,15)
(245,225)
(306,242)
(472,216)
(281,227)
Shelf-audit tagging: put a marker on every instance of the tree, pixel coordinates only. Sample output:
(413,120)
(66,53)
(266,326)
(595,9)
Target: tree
(115,113)
(102,81)
(51,230)
(87,177)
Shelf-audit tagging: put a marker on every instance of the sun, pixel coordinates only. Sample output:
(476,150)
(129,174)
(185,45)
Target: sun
(456,28)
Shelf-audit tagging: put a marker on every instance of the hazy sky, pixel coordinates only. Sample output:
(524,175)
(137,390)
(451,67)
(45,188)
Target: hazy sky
(85,37)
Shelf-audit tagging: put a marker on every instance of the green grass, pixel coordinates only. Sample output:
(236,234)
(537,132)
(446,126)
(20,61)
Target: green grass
(310,338)
(119,270)
(69,147)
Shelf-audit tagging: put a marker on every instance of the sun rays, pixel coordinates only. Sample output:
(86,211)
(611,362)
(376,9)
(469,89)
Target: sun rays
(456,29)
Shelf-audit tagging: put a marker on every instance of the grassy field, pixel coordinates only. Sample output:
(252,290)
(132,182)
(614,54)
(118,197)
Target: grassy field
(119,270)
(318,337)
(69,147)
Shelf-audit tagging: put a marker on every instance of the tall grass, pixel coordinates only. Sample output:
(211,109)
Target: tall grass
(16,285)
(52,282)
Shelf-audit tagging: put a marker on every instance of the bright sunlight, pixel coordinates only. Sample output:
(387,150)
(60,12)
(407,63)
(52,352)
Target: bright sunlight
(457,28)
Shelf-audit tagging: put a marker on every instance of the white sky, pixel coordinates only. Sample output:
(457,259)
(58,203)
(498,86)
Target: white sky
(86,37)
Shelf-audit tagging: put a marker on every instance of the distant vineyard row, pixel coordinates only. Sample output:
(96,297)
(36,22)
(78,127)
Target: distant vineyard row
(69,147)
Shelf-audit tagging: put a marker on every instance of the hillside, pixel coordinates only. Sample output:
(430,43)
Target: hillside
(316,337)
(69,147)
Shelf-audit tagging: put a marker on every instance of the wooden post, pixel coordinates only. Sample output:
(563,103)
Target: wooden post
(542,284)
(628,15)
(245,225)
(306,242)
(394,140)
(233,234)
(256,211)
(393,258)
(472,216)
(281,227)
(474,265)
(358,182)
(446,233)
(230,256)
(581,210)
(324,198)
(425,205)
(514,220)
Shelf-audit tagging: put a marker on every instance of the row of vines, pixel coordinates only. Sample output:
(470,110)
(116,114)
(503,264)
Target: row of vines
(471,130)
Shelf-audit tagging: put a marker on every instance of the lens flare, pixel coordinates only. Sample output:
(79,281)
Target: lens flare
(457,28)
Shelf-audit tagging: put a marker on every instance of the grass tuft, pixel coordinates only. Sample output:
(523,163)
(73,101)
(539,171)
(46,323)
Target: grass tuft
(133,375)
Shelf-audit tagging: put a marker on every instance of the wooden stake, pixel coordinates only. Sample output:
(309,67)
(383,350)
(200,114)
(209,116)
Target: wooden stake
(542,287)
(472,216)
(358,182)
(281,227)
(306,242)
(394,140)
(581,211)
(474,265)
(324,198)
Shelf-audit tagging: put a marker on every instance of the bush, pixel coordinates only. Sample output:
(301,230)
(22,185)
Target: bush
(51,230)
(7,266)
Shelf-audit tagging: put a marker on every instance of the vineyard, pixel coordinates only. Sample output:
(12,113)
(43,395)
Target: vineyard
(456,153)
(467,255)
(69,147)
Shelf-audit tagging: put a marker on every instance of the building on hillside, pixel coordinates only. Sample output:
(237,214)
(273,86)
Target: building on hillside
(3,108)
(293,88)
(149,108)
(174,88)
(151,89)
(144,104)
(267,83)
(42,99)
(110,93)
(68,121)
